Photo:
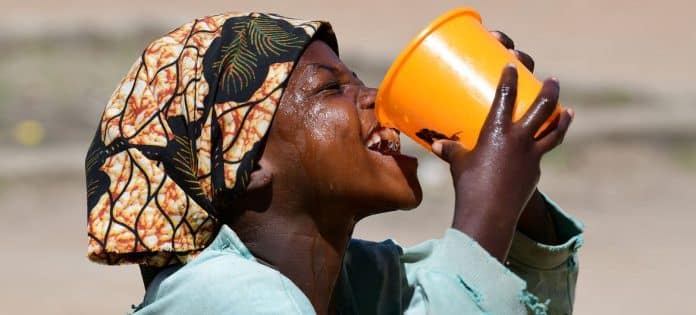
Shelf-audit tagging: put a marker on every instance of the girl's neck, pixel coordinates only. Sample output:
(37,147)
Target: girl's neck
(306,250)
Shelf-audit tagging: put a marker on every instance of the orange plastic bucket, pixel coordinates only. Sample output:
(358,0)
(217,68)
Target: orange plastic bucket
(442,85)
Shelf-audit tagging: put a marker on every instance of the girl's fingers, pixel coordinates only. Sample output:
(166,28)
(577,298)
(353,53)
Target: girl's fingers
(525,59)
(448,150)
(504,39)
(508,43)
(555,137)
(543,106)
(500,115)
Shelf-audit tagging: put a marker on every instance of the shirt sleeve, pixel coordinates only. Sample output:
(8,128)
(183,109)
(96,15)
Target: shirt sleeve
(550,271)
(455,275)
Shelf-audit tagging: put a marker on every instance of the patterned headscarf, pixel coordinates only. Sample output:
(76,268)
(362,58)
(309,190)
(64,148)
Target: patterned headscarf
(184,129)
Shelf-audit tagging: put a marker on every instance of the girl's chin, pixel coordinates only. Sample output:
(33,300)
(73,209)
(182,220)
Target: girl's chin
(412,192)
(406,196)
(414,200)
(402,203)
(398,165)
(399,177)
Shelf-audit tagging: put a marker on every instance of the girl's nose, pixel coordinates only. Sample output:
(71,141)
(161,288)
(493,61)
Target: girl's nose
(366,98)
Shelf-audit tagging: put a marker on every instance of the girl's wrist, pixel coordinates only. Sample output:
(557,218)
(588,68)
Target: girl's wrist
(492,229)
(536,221)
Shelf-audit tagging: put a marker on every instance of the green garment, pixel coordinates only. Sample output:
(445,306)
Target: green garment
(451,275)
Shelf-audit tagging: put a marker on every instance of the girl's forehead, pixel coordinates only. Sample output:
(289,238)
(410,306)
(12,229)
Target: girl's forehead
(319,52)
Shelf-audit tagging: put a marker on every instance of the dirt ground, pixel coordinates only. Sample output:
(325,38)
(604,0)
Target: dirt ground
(627,170)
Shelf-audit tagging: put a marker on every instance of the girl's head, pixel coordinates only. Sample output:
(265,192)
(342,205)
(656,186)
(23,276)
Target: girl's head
(326,148)
(230,113)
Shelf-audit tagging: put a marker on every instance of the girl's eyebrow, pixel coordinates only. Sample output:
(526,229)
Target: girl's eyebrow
(318,65)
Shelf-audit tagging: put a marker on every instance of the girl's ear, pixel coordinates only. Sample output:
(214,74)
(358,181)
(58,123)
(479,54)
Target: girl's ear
(261,177)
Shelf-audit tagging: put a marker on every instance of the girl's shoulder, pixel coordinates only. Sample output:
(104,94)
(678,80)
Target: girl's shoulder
(222,280)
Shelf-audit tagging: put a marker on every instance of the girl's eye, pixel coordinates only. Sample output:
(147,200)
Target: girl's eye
(329,88)
(332,86)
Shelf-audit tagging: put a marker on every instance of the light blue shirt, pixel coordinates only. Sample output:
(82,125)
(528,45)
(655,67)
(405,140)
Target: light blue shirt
(451,275)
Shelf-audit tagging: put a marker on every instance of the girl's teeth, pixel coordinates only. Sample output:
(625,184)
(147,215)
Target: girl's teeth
(393,146)
(383,141)
(375,139)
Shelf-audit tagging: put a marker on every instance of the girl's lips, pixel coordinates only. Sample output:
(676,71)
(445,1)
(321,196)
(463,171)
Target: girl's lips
(401,160)
(386,143)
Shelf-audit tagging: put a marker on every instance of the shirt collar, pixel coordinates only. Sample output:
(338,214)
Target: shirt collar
(228,240)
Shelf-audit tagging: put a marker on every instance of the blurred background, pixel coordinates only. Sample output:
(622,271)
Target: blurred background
(627,167)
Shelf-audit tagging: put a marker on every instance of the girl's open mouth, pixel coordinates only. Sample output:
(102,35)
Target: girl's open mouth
(384,140)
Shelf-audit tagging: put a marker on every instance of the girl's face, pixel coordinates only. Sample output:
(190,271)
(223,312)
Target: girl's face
(325,142)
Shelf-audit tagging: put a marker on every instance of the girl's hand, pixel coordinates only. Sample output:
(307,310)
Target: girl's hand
(523,57)
(535,220)
(494,181)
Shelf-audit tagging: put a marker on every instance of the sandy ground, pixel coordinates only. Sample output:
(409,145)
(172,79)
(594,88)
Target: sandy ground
(627,171)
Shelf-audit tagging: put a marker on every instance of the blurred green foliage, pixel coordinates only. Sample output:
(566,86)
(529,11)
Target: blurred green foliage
(684,155)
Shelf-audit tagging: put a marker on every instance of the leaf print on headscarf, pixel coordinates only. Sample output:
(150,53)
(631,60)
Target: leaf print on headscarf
(238,62)
(271,39)
(186,163)
(254,42)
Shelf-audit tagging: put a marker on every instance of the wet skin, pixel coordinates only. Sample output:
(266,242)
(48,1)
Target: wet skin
(317,177)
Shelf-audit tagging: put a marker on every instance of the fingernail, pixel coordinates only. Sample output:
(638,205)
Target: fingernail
(437,147)
(571,113)
(555,79)
(511,65)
